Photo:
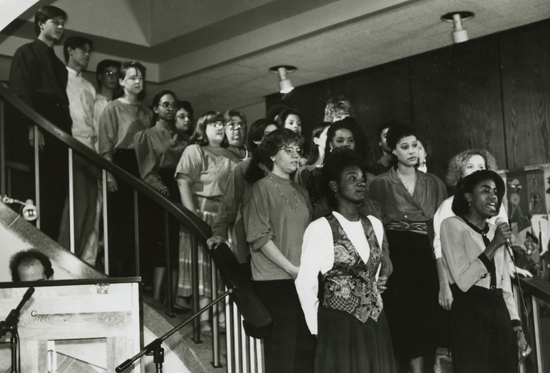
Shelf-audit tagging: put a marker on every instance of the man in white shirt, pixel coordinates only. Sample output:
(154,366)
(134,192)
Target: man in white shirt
(77,51)
(107,80)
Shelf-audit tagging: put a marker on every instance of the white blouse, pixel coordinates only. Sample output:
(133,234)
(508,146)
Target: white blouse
(318,256)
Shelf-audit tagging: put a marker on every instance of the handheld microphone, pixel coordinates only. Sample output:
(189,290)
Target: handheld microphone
(508,244)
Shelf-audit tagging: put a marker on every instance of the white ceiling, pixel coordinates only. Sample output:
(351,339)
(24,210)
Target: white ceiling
(216,54)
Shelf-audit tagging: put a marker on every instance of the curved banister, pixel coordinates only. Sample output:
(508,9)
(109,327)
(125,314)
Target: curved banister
(257,320)
(197,226)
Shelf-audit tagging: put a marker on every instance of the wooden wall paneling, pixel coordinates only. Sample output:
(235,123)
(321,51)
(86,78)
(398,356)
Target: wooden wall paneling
(525,70)
(456,101)
(310,100)
(377,95)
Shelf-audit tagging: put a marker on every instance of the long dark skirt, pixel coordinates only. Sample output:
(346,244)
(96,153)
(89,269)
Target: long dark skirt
(344,344)
(482,340)
(290,347)
(156,218)
(411,298)
(120,209)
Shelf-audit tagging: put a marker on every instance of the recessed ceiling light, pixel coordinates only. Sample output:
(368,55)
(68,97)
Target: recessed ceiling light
(285,86)
(460,34)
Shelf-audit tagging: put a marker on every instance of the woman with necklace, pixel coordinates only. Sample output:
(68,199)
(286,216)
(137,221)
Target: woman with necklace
(276,213)
(345,248)
(486,333)
(121,119)
(158,150)
(408,200)
(201,174)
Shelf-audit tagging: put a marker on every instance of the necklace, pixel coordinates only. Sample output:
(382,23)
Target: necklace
(282,195)
(409,184)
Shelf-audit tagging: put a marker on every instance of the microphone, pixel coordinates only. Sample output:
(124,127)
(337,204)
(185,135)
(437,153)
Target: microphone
(508,244)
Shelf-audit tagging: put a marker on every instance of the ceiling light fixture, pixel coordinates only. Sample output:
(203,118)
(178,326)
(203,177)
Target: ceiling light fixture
(460,34)
(285,86)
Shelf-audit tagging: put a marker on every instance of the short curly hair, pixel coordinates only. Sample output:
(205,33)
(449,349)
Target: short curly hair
(27,257)
(270,146)
(458,163)
(466,185)
(399,131)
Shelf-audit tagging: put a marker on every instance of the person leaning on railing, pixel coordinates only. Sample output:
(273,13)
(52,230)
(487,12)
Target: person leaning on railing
(39,79)
(486,333)
(121,119)
(230,219)
(158,151)
(202,174)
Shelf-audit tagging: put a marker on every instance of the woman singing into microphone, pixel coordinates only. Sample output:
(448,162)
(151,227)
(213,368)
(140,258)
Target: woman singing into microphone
(486,333)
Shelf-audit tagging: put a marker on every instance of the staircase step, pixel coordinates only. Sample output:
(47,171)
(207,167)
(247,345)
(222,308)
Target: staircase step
(196,357)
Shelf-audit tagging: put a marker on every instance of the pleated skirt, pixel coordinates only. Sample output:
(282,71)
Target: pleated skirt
(207,209)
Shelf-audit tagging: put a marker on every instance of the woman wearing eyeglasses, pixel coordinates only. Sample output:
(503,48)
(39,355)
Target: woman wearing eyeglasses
(235,131)
(201,175)
(121,119)
(158,150)
(276,214)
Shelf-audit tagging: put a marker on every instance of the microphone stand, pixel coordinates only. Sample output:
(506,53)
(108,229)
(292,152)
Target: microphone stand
(10,325)
(155,348)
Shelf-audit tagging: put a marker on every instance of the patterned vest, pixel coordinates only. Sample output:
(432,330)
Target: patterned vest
(350,285)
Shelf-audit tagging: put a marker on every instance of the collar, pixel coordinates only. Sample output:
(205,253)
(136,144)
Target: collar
(482,232)
(278,179)
(420,176)
(73,72)
(39,43)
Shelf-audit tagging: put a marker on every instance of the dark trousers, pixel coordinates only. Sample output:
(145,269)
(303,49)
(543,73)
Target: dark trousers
(482,340)
(290,347)
(120,212)
(54,167)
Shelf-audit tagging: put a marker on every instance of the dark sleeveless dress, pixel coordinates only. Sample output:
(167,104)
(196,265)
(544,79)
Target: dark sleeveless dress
(353,334)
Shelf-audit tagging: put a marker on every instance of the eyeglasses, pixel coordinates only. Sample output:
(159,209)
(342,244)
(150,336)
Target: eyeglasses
(232,125)
(292,151)
(110,73)
(217,124)
(168,105)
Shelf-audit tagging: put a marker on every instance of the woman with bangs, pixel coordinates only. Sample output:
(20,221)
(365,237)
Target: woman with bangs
(201,175)
(290,119)
(120,121)
(184,118)
(276,213)
(235,131)
(408,199)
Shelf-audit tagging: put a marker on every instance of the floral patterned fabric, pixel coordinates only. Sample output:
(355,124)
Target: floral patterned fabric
(350,285)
